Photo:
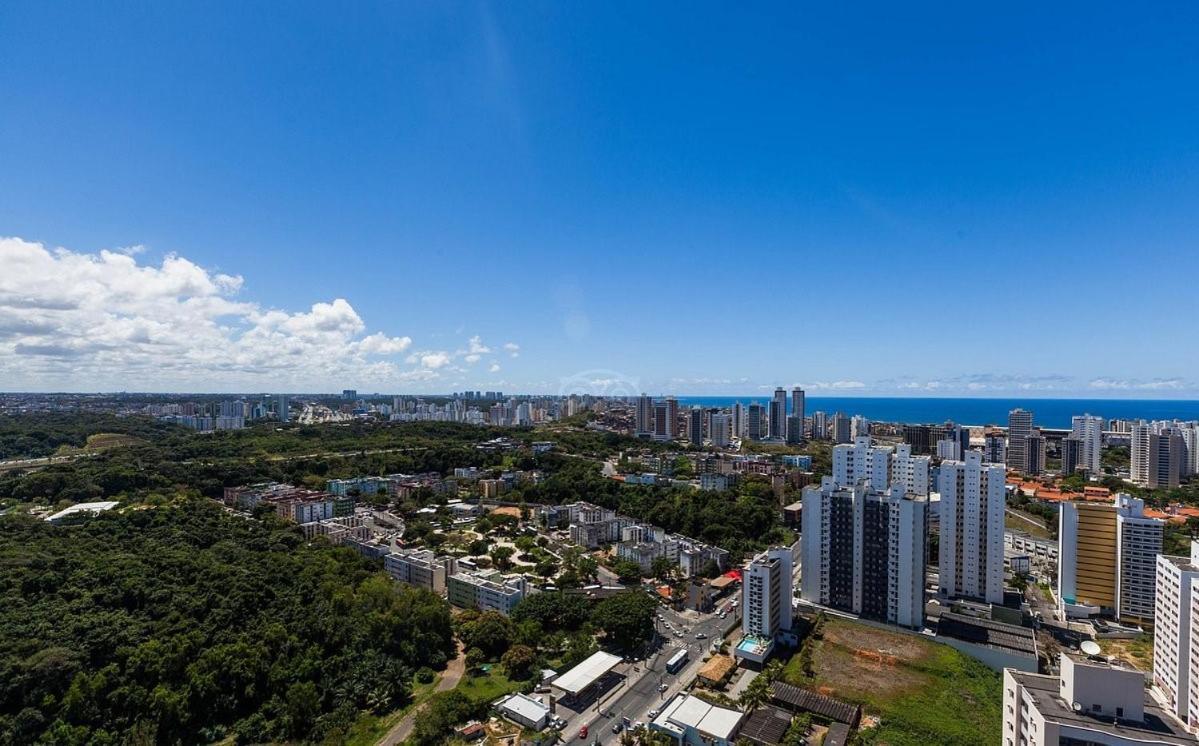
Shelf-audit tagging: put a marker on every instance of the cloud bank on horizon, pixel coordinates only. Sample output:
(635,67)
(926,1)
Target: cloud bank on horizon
(76,321)
(103,321)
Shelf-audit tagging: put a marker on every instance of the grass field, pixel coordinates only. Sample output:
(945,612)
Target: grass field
(923,692)
(489,686)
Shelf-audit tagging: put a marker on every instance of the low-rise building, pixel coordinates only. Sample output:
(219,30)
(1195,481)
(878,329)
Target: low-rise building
(420,568)
(1091,701)
(486,591)
(691,720)
(524,710)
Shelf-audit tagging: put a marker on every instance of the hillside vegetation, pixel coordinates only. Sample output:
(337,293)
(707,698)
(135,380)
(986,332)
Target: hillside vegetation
(185,624)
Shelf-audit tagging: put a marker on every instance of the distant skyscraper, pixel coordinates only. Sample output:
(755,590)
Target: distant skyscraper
(644,425)
(755,422)
(858,426)
(283,407)
(797,411)
(819,425)
(349,394)
(842,432)
(1088,430)
(1034,457)
(695,426)
(778,414)
(1071,453)
(721,430)
(738,420)
(994,448)
(972,516)
(1019,427)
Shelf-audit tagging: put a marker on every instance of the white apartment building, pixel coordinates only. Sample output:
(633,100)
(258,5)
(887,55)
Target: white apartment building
(1174,654)
(420,568)
(766,596)
(487,591)
(1090,703)
(862,460)
(881,466)
(1108,559)
(863,551)
(972,519)
(1162,453)
(910,471)
(1089,430)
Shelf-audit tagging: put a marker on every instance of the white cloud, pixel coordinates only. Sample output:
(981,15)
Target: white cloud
(1122,384)
(381,344)
(832,385)
(495,368)
(512,349)
(434,360)
(88,321)
(477,347)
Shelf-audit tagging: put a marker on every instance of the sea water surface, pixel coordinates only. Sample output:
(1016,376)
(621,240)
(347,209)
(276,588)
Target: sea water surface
(1055,413)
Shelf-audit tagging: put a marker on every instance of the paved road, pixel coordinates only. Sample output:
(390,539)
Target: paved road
(449,679)
(640,694)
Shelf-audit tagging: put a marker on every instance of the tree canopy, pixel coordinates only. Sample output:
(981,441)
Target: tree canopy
(184,624)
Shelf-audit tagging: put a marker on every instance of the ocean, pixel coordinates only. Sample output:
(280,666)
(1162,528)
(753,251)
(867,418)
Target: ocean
(1054,413)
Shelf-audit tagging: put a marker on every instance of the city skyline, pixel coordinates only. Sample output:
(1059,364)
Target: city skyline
(435,198)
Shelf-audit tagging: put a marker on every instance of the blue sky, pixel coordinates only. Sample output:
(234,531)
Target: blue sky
(695,199)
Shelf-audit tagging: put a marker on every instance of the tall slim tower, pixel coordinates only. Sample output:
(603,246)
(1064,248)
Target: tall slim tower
(1089,430)
(695,426)
(644,416)
(972,512)
(283,407)
(1019,427)
(778,414)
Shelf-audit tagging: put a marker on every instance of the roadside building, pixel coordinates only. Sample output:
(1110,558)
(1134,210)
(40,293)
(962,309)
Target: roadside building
(524,710)
(690,720)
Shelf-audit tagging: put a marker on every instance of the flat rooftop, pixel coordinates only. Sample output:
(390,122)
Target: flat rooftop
(1158,727)
(586,673)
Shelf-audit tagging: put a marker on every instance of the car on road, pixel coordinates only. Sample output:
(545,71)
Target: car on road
(700,636)
(663,687)
(617,727)
(652,714)
(583,732)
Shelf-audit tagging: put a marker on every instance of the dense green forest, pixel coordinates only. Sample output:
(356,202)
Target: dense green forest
(186,624)
(43,434)
(208,463)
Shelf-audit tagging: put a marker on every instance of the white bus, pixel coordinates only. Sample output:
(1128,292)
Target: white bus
(677,661)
